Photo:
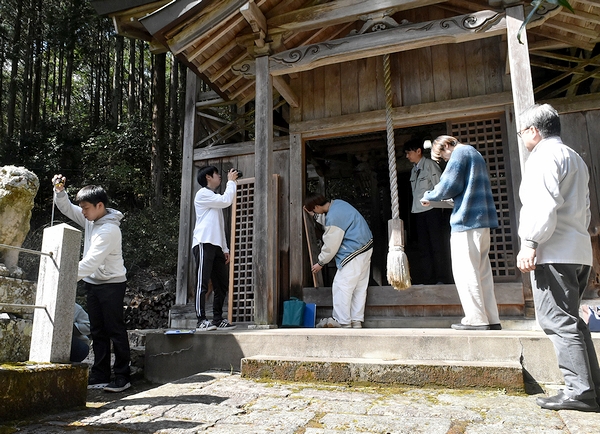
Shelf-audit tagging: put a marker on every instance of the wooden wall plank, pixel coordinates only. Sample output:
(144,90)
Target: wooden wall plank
(493,63)
(458,71)
(397,79)
(593,127)
(426,68)
(411,83)
(332,93)
(422,295)
(319,93)
(308,93)
(574,132)
(349,87)
(367,86)
(475,68)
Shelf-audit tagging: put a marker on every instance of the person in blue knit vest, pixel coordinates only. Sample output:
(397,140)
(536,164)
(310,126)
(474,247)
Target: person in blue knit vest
(467,183)
(349,240)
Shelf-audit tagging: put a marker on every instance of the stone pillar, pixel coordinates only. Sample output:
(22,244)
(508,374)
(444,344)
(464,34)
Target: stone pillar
(56,288)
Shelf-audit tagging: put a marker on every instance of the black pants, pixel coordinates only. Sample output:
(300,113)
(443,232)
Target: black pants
(105,309)
(433,232)
(210,265)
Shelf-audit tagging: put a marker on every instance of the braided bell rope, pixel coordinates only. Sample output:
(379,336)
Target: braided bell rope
(391,145)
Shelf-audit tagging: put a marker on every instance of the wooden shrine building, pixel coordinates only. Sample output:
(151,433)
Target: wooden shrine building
(293,93)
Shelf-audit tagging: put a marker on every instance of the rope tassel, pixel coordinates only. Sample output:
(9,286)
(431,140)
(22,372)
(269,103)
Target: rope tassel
(398,273)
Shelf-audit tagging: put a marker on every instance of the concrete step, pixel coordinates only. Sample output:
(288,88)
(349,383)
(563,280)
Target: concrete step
(172,357)
(443,373)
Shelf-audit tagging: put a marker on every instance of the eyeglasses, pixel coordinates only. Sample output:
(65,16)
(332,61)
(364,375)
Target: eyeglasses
(522,131)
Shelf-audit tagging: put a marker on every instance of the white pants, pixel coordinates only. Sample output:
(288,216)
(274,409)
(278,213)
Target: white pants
(349,289)
(473,276)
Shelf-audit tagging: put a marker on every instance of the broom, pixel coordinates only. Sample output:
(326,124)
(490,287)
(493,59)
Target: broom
(398,273)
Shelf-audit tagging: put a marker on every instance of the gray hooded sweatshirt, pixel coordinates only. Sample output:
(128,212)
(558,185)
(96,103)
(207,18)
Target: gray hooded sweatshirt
(102,260)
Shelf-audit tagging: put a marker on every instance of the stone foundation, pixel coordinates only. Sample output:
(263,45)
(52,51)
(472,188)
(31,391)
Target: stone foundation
(31,388)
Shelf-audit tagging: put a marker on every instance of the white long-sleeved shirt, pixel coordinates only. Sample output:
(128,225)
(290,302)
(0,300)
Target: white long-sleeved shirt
(556,204)
(102,260)
(210,225)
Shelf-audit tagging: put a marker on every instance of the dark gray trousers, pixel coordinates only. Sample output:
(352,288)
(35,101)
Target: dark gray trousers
(557,292)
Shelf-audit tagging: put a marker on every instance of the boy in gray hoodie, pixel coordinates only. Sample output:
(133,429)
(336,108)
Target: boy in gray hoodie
(103,273)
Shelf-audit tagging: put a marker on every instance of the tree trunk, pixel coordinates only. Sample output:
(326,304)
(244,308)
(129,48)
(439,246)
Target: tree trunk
(26,84)
(131,96)
(37,69)
(140,92)
(117,95)
(13,84)
(158,133)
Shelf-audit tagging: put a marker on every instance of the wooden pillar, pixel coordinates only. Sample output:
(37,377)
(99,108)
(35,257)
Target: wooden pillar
(520,70)
(522,91)
(186,222)
(297,182)
(265,204)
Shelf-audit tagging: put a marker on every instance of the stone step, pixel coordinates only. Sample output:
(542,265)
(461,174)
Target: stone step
(443,373)
(169,358)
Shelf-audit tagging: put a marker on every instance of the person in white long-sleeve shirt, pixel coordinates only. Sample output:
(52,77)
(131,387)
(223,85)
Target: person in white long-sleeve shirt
(103,271)
(209,245)
(556,248)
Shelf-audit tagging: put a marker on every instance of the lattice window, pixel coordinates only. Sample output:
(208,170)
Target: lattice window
(486,136)
(241,281)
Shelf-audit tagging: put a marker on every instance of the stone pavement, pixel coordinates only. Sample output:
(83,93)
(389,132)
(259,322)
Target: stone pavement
(224,403)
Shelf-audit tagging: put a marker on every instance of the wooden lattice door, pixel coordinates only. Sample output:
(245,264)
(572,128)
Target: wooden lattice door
(486,136)
(241,282)
(241,276)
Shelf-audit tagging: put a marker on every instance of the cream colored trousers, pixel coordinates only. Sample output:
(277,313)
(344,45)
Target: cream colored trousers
(473,276)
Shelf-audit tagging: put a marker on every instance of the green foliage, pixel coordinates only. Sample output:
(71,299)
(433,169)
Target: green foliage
(120,162)
(150,239)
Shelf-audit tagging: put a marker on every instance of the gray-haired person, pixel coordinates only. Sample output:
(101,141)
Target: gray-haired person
(556,248)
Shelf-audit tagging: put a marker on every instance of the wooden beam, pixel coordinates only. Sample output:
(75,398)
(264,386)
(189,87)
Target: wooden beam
(191,55)
(579,103)
(187,189)
(583,16)
(520,73)
(255,17)
(572,28)
(265,286)
(231,82)
(225,69)
(580,67)
(297,157)
(338,12)
(477,25)
(237,149)
(427,113)
(569,40)
(407,37)
(286,91)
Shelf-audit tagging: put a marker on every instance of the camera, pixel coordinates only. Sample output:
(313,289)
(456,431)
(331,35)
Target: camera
(239,172)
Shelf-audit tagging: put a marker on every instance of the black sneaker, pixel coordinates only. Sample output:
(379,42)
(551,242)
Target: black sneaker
(224,325)
(120,384)
(96,383)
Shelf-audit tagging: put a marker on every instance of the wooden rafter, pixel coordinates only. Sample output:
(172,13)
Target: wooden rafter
(338,12)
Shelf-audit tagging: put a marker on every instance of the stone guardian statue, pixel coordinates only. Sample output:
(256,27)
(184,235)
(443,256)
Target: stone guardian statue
(18,187)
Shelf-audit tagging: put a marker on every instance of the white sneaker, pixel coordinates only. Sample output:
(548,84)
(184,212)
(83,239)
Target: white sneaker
(329,323)
(356,324)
